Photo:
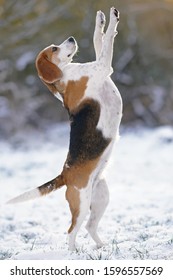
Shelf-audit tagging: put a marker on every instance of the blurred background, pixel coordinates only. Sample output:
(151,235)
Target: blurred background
(143,59)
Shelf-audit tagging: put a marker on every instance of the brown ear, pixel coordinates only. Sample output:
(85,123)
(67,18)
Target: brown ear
(47,71)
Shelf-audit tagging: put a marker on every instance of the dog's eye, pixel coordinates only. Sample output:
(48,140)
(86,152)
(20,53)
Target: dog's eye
(54,49)
(68,55)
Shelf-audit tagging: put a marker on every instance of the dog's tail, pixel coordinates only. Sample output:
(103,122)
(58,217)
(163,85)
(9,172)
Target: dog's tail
(45,189)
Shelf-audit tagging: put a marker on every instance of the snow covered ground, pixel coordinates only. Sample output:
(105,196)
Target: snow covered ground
(138,223)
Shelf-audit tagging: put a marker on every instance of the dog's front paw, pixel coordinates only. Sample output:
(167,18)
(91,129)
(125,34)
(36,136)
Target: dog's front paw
(114,14)
(117,14)
(100,19)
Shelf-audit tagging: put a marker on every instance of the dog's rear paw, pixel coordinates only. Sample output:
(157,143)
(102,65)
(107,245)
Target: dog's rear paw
(101,19)
(101,244)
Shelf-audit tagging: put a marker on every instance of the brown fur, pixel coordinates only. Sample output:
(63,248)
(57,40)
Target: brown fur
(78,174)
(47,71)
(72,196)
(74,92)
(51,185)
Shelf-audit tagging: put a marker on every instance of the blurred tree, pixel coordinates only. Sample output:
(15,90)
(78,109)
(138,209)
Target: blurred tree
(143,59)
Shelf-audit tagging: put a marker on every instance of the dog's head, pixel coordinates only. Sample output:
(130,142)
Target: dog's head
(51,61)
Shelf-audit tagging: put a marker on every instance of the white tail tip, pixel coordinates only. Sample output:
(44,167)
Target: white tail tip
(25,196)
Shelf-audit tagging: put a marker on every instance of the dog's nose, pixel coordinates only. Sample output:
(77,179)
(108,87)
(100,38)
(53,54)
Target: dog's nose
(71,39)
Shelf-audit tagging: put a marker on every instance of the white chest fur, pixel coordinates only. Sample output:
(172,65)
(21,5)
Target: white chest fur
(58,95)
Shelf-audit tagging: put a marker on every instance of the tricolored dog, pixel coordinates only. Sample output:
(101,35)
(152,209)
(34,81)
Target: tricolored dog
(94,105)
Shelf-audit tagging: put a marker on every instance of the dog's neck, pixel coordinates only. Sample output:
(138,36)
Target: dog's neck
(55,87)
(59,86)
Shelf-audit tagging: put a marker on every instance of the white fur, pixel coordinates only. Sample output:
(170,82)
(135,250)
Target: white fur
(58,95)
(99,201)
(25,196)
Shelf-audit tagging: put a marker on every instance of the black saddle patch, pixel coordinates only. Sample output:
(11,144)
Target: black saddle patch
(86,141)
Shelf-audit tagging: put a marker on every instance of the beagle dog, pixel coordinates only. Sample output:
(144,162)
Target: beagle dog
(94,105)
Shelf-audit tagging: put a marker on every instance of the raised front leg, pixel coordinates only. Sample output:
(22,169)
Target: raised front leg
(99,32)
(105,57)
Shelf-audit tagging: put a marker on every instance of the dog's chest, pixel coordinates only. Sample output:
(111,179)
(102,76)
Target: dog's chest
(104,92)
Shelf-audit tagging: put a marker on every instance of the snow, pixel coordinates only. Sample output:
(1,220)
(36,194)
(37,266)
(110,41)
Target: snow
(138,223)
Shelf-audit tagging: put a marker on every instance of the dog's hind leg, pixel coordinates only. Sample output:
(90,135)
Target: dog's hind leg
(79,202)
(99,202)
(99,32)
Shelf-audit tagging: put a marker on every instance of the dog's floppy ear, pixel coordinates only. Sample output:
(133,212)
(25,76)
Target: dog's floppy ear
(47,71)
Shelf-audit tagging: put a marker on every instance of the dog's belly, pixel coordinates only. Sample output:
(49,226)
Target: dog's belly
(111,109)
(109,121)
